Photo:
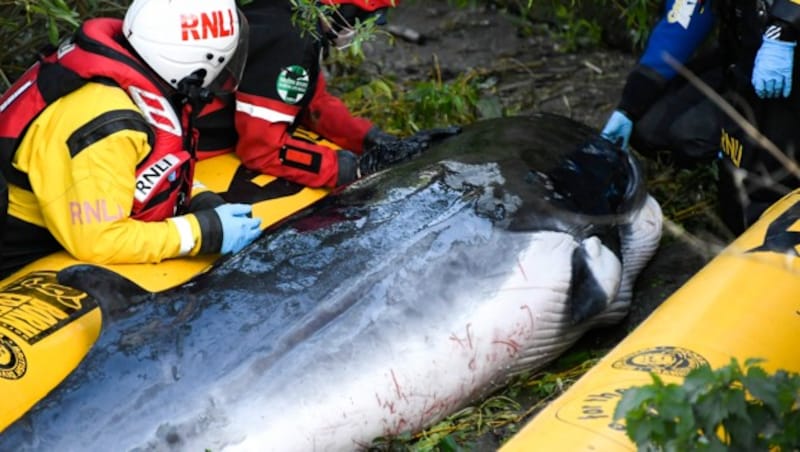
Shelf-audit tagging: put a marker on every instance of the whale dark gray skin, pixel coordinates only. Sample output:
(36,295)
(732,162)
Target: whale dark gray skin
(380,311)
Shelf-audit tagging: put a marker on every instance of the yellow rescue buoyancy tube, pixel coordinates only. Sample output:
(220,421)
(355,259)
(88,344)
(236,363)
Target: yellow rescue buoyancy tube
(743,304)
(47,328)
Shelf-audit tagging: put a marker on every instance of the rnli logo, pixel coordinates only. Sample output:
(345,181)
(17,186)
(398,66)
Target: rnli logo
(674,361)
(216,24)
(152,176)
(681,12)
(13,363)
(292,84)
(731,147)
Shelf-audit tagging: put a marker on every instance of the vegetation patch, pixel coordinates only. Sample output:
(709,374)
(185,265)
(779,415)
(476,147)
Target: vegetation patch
(731,408)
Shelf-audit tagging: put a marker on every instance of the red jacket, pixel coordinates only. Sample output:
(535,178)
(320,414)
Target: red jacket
(282,87)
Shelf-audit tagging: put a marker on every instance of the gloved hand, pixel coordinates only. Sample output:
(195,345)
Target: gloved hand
(382,149)
(772,72)
(435,135)
(238,228)
(618,129)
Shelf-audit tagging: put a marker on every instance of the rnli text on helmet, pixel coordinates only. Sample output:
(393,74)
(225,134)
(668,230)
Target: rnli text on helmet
(213,24)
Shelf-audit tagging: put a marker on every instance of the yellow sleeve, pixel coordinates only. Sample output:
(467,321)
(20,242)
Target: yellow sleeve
(85,187)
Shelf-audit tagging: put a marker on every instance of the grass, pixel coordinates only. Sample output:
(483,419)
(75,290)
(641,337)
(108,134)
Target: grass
(500,415)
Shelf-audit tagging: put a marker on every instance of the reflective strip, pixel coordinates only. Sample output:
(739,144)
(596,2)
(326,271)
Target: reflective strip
(16,94)
(264,113)
(185,232)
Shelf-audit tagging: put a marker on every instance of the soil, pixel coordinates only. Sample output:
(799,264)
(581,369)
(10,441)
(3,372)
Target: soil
(528,69)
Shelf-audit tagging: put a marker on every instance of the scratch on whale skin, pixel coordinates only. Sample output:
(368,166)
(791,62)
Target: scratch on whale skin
(512,347)
(468,339)
(522,270)
(436,409)
(526,307)
(397,388)
(400,425)
(388,404)
(522,330)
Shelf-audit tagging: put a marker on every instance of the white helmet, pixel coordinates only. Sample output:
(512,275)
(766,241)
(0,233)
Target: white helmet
(176,38)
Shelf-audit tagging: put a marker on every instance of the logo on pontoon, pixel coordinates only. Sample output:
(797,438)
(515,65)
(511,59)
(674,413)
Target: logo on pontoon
(36,305)
(595,411)
(13,363)
(292,84)
(666,360)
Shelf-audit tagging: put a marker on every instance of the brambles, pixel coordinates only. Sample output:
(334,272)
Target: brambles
(28,27)
(731,408)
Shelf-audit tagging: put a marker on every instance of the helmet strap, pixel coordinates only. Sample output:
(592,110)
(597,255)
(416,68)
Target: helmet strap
(192,93)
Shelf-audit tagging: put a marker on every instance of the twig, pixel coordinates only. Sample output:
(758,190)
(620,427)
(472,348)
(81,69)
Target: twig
(406,34)
(592,67)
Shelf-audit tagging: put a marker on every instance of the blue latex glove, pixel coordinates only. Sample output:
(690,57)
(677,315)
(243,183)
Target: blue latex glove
(238,229)
(772,73)
(618,129)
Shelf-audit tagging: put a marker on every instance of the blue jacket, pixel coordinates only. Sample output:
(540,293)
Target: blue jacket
(684,26)
(680,31)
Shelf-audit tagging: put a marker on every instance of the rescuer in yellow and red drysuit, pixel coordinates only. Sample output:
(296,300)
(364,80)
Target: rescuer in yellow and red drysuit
(97,141)
(283,87)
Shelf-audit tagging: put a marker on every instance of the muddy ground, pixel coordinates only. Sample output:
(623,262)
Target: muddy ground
(530,72)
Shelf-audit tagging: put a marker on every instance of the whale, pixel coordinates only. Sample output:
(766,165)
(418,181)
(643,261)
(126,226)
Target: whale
(377,312)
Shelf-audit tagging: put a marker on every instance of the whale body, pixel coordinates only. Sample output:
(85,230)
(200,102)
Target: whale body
(378,312)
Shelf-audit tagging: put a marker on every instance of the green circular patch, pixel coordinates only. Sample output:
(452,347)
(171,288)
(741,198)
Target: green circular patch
(292,84)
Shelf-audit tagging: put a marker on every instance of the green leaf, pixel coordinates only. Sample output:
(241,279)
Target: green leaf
(634,399)
(729,408)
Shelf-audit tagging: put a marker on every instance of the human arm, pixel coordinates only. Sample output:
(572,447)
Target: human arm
(679,33)
(266,144)
(82,172)
(329,116)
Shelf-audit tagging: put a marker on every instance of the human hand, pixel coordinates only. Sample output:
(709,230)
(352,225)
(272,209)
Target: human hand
(382,149)
(431,136)
(772,72)
(618,129)
(238,228)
